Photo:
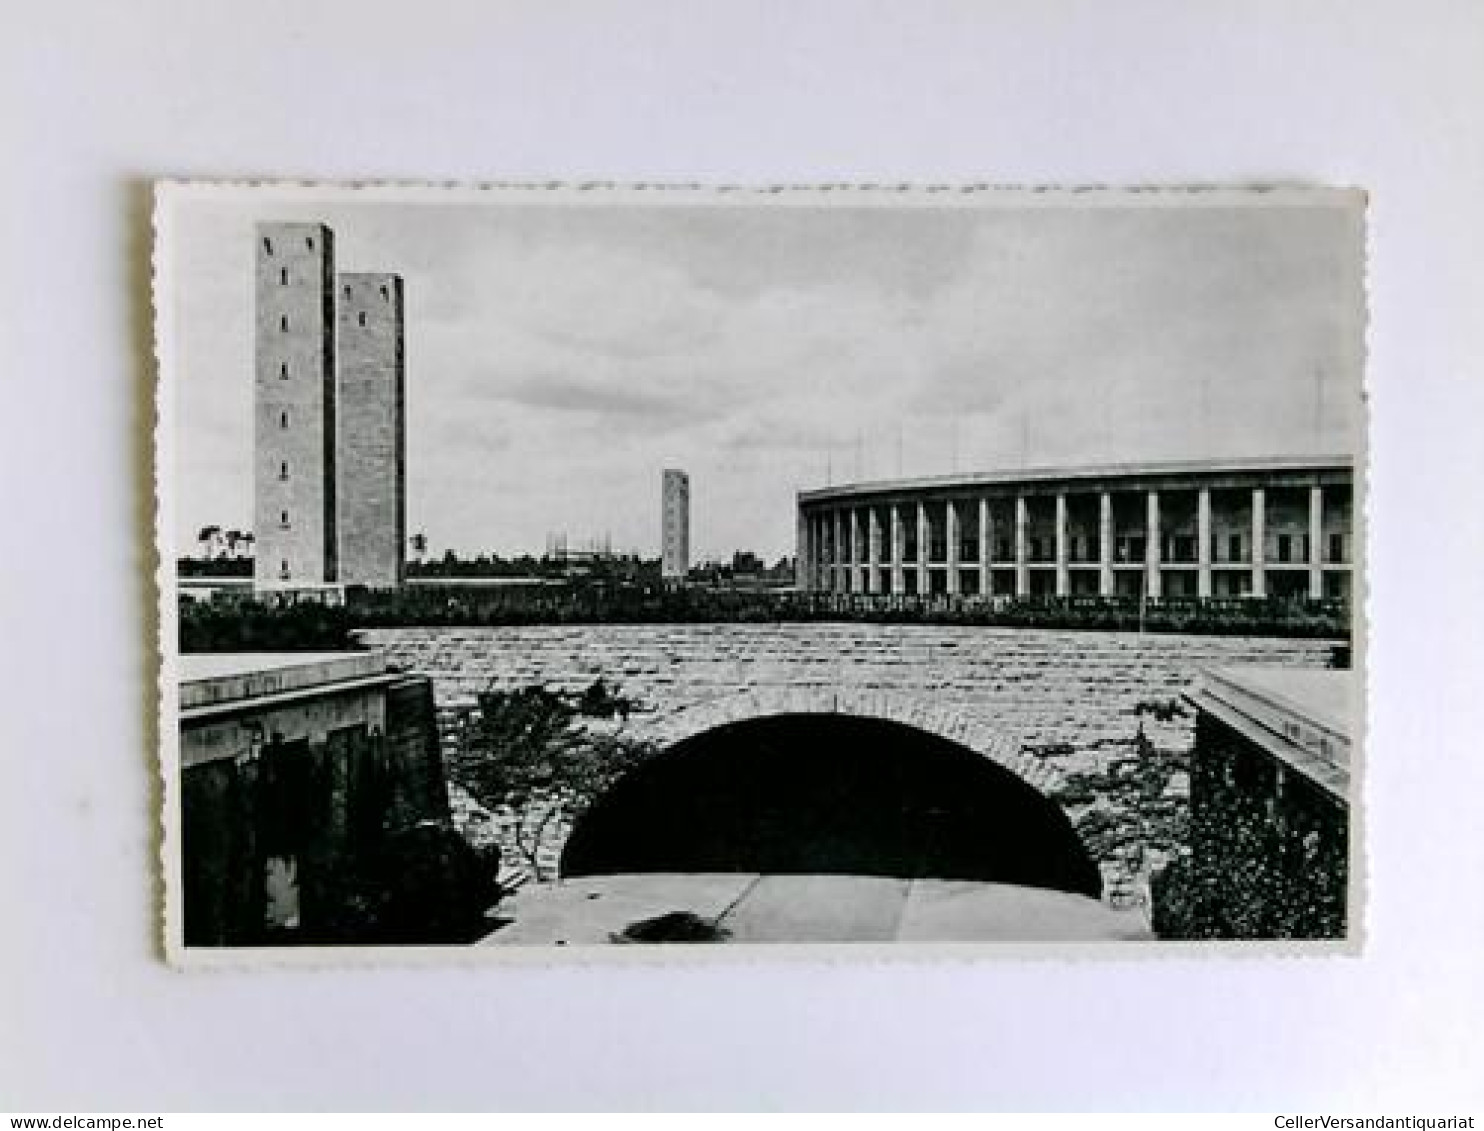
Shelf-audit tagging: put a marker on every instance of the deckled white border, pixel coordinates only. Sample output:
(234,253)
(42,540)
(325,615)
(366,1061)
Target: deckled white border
(169,193)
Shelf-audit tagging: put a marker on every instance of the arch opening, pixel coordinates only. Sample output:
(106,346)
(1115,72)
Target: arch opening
(832,794)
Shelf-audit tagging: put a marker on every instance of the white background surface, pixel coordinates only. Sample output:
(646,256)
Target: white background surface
(99,97)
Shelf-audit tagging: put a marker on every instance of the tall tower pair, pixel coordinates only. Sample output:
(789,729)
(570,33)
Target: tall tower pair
(329,477)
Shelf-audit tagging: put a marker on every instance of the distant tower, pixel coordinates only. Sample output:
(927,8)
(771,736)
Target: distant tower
(294,407)
(371,494)
(675,525)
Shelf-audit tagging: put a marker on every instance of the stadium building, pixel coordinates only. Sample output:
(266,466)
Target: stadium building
(1281,528)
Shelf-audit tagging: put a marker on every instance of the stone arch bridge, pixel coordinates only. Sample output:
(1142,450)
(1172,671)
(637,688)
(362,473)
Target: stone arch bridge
(1092,720)
(956,724)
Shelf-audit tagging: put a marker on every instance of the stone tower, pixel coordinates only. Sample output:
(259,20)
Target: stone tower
(371,462)
(674,525)
(294,407)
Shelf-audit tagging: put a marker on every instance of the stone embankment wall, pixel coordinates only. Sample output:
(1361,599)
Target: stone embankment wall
(1098,712)
(326,814)
(1269,849)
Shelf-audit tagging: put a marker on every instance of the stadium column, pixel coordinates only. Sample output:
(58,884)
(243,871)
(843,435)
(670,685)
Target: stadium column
(855,551)
(1259,542)
(1063,571)
(837,558)
(821,554)
(923,549)
(950,531)
(898,549)
(1316,540)
(1203,542)
(873,550)
(1105,544)
(822,527)
(984,545)
(1152,578)
(818,540)
(1022,537)
(801,553)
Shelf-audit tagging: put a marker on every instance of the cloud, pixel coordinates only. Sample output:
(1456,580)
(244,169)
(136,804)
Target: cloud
(769,432)
(571,394)
(561,356)
(462,430)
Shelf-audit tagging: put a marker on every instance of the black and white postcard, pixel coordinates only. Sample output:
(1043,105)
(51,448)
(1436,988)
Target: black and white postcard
(638,568)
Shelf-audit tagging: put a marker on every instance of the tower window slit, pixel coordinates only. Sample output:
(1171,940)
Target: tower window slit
(283,470)
(267,246)
(283,419)
(283,323)
(283,276)
(283,370)
(361,318)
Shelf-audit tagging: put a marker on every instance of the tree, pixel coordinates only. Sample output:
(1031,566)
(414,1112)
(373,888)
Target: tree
(529,751)
(208,539)
(419,542)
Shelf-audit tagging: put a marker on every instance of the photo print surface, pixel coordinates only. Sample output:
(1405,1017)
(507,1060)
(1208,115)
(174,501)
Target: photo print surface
(630,567)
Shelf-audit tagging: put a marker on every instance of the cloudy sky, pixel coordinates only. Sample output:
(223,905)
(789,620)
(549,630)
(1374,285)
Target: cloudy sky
(560,355)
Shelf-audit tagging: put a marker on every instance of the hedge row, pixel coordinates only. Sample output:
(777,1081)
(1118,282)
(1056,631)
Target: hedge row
(242,623)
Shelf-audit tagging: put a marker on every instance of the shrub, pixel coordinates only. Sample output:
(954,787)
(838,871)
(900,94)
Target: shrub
(528,751)
(1249,875)
(249,626)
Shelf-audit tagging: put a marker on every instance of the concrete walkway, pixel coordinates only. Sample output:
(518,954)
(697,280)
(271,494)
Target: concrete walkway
(754,908)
